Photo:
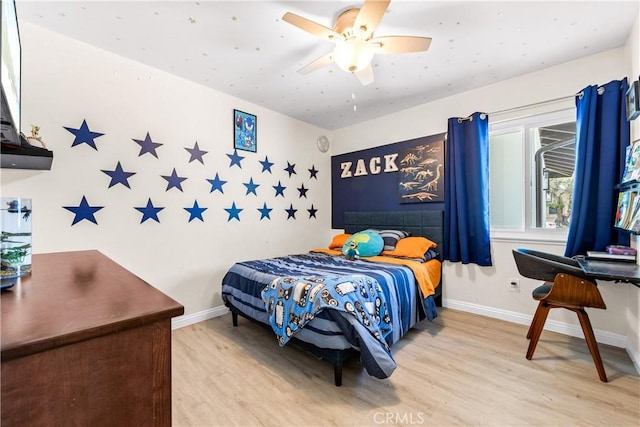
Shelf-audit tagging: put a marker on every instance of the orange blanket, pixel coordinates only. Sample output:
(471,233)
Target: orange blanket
(427,273)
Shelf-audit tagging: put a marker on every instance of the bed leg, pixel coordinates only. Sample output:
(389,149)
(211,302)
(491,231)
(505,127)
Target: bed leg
(337,374)
(234,318)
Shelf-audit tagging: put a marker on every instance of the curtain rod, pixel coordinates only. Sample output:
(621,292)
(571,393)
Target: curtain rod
(534,104)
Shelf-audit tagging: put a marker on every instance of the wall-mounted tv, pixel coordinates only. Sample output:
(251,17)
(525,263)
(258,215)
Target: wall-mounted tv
(10,73)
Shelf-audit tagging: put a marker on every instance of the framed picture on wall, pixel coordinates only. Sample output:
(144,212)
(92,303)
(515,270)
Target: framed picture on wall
(633,101)
(421,173)
(245,131)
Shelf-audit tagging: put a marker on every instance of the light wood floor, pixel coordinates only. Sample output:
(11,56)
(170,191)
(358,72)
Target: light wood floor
(461,369)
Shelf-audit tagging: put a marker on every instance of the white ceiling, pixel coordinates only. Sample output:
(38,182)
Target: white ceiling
(243,48)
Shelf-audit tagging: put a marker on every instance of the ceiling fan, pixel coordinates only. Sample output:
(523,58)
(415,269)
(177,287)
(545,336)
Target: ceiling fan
(352,34)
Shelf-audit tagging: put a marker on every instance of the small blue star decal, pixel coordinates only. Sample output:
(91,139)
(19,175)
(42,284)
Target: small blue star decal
(266,165)
(173,180)
(148,146)
(264,211)
(313,172)
(235,159)
(303,191)
(312,212)
(83,211)
(233,212)
(291,213)
(196,153)
(195,211)
(84,135)
(119,176)
(290,168)
(216,184)
(279,189)
(251,187)
(149,212)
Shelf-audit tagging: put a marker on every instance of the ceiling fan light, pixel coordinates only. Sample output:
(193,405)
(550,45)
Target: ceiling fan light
(352,55)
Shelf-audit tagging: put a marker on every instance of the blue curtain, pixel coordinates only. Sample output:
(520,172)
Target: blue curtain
(466,200)
(602,134)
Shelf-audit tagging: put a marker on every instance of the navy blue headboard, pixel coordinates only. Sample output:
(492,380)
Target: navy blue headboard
(427,224)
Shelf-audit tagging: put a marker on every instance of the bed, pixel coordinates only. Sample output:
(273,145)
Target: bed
(393,289)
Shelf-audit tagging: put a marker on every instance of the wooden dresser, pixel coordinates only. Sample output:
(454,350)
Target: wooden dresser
(85,343)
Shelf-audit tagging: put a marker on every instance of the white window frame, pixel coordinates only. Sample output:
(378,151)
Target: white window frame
(523,124)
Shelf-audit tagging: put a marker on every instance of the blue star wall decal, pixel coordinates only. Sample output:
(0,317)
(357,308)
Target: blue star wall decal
(291,213)
(119,176)
(313,172)
(195,212)
(251,187)
(196,153)
(148,146)
(264,211)
(84,135)
(312,211)
(266,165)
(83,211)
(233,212)
(279,189)
(303,191)
(216,184)
(149,212)
(174,180)
(291,168)
(235,159)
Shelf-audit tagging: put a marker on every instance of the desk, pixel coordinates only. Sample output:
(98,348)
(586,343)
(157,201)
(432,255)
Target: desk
(85,343)
(611,270)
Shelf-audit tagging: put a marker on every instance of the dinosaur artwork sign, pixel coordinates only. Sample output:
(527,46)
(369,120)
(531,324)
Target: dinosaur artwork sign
(394,177)
(421,173)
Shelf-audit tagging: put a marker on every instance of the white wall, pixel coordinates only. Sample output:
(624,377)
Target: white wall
(484,290)
(66,81)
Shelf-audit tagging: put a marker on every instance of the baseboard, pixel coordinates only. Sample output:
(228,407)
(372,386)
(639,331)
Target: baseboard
(603,337)
(635,357)
(201,316)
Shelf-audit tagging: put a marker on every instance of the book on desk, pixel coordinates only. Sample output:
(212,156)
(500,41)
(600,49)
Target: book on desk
(608,256)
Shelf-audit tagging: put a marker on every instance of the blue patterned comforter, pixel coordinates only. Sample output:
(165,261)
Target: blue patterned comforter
(401,305)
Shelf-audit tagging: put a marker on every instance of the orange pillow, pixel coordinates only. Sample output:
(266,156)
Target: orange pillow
(338,241)
(411,247)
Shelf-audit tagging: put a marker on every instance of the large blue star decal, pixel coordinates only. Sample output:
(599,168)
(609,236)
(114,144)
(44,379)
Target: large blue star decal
(312,211)
(291,213)
(216,184)
(233,212)
(264,211)
(313,172)
(173,180)
(149,212)
(279,189)
(148,146)
(291,168)
(251,187)
(119,176)
(196,153)
(195,212)
(84,135)
(266,165)
(235,159)
(83,211)
(303,191)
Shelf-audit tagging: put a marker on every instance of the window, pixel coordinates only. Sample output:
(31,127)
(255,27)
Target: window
(531,165)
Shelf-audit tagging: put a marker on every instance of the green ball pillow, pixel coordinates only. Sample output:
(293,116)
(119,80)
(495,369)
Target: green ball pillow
(368,243)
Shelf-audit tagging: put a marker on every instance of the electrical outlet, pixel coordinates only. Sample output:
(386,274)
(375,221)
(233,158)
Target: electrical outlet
(514,285)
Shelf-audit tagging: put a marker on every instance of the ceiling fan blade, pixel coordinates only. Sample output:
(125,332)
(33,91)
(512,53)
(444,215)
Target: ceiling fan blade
(399,44)
(369,17)
(365,75)
(318,63)
(312,27)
